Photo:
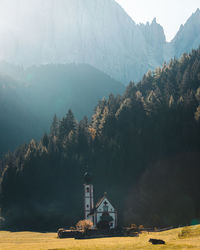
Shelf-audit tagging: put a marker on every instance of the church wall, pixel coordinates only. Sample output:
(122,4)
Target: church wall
(110,207)
(111,211)
(113,214)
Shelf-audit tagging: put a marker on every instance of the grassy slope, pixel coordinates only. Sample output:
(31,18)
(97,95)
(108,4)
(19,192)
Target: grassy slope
(27,240)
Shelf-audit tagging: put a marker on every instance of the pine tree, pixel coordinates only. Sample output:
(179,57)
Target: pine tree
(67,124)
(45,140)
(54,127)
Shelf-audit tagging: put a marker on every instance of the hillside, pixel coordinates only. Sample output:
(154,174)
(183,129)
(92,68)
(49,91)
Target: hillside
(60,87)
(29,103)
(33,240)
(142,147)
(16,122)
(48,31)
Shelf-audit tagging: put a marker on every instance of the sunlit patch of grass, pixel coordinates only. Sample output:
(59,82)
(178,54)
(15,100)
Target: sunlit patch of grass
(180,238)
(188,232)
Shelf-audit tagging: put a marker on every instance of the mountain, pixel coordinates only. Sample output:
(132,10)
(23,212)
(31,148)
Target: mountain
(142,146)
(97,32)
(16,121)
(58,88)
(29,103)
(188,36)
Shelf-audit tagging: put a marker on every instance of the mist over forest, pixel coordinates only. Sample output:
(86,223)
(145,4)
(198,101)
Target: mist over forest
(30,102)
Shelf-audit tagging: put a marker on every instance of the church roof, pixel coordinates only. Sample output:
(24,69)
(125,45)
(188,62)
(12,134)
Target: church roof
(98,204)
(100,201)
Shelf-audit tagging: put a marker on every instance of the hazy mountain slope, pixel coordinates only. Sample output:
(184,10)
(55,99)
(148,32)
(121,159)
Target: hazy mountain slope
(155,42)
(56,88)
(188,36)
(17,124)
(97,32)
(27,108)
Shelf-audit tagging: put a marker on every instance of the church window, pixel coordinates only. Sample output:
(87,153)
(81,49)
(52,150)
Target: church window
(88,190)
(105,207)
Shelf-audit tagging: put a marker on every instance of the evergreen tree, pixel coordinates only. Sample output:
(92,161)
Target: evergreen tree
(54,127)
(67,124)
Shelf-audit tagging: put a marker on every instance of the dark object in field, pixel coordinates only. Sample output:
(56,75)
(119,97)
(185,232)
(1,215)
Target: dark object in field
(156,241)
(63,233)
(93,233)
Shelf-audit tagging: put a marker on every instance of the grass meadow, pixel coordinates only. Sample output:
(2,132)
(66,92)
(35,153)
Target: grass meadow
(181,238)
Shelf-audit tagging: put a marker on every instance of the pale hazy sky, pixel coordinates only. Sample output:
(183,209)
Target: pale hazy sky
(169,13)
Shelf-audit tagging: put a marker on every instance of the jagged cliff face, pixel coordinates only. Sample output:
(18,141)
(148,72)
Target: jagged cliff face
(188,36)
(155,42)
(97,32)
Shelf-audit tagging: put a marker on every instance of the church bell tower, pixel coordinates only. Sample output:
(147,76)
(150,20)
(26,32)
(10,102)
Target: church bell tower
(88,197)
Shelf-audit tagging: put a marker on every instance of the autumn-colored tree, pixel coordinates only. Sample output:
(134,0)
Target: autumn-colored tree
(84,225)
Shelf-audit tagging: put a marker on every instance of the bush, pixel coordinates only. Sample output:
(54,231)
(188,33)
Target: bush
(103,225)
(133,226)
(84,225)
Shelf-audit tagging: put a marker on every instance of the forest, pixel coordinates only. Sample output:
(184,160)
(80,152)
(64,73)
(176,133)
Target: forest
(142,148)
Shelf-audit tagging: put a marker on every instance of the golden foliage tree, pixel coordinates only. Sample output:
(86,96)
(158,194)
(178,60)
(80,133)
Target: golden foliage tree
(84,225)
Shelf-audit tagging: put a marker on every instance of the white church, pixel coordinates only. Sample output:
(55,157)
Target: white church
(102,211)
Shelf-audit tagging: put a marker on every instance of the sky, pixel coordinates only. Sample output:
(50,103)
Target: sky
(169,13)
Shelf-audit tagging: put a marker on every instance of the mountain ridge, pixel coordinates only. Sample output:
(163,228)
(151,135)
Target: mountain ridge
(30,99)
(99,33)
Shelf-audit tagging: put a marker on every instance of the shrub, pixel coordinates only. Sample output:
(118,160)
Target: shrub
(133,226)
(84,225)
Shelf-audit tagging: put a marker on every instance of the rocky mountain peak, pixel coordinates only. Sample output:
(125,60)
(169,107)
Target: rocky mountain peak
(97,32)
(195,16)
(154,21)
(188,35)
(197,11)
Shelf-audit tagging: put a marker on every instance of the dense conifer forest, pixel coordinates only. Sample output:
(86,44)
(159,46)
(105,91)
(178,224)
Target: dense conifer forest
(143,148)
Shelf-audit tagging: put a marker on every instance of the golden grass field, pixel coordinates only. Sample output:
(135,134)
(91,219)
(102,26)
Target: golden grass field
(181,238)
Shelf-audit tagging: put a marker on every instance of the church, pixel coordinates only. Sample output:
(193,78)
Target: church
(103,211)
